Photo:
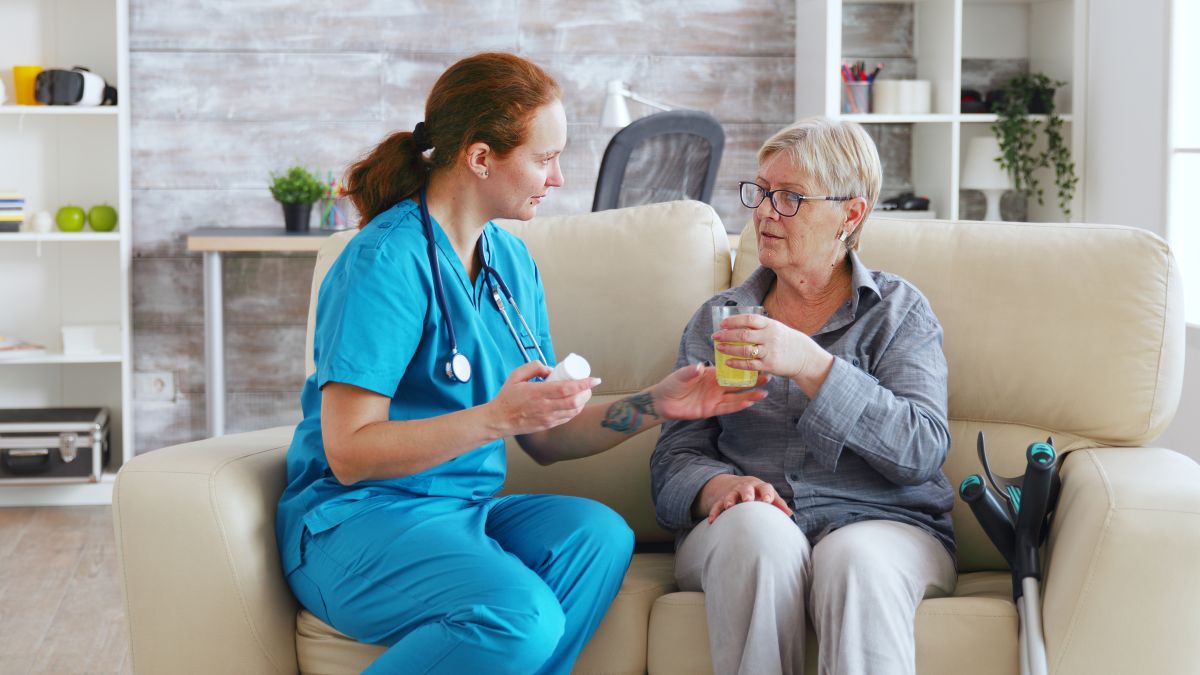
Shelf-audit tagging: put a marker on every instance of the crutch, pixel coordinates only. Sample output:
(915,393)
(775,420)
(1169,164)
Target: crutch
(1017,527)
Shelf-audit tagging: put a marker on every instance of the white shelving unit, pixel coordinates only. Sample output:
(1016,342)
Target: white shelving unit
(1050,34)
(55,156)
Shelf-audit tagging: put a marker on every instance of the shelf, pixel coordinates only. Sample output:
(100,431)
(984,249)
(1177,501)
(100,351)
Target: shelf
(872,118)
(60,236)
(59,494)
(965,118)
(68,155)
(59,110)
(1006,2)
(58,359)
(991,117)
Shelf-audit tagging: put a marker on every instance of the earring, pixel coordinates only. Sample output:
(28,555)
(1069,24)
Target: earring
(844,236)
(484,174)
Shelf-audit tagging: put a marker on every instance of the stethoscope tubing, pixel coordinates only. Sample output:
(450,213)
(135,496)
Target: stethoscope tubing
(492,276)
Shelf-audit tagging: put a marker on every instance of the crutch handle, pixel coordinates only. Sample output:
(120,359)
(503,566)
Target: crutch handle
(991,515)
(1035,500)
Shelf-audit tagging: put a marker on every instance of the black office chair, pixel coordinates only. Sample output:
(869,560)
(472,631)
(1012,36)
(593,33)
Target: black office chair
(660,158)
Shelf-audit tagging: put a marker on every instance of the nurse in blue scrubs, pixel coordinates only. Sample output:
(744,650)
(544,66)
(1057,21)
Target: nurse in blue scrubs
(431,339)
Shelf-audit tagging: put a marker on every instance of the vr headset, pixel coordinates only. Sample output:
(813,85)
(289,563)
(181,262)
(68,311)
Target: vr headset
(77,86)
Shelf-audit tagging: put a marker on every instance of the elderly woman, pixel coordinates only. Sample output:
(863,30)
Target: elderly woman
(827,499)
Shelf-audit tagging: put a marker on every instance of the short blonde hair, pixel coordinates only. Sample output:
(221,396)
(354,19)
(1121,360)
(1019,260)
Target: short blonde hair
(838,155)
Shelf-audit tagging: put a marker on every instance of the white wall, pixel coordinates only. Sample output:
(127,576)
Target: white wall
(1184,433)
(1127,114)
(1126,156)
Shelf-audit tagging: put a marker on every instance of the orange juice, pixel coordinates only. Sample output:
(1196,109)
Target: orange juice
(727,376)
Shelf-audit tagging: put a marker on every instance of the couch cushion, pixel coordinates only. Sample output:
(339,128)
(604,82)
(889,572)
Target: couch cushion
(623,307)
(624,304)
(977,626)
(617,648)
(626,488)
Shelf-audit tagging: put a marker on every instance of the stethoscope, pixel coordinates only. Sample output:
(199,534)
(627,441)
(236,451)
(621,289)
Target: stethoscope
(458,368)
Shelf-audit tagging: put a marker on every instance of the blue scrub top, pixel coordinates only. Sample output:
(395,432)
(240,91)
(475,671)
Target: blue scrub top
(379,327)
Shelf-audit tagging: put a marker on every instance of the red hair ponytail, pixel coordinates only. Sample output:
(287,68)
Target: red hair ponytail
(487,98)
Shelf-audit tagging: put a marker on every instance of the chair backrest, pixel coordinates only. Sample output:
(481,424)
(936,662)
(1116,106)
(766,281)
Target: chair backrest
(1067,330)
(662,157)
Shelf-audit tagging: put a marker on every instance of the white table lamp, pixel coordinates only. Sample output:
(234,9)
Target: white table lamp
(981,171)
(616,111)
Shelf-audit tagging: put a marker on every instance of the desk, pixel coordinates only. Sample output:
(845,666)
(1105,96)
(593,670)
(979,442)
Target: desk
(212,242)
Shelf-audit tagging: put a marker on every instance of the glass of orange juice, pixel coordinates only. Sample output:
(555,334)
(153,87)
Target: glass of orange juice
(727,375)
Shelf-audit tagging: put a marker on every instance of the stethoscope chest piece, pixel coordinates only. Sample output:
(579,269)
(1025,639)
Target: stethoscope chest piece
(458,368)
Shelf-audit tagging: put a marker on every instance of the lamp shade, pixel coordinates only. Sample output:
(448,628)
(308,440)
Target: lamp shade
(616,110)
(980,170)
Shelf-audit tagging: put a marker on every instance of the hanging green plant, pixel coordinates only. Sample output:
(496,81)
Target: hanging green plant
(1018,134)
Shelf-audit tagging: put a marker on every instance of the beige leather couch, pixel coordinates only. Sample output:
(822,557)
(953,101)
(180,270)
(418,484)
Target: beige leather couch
(1073,331)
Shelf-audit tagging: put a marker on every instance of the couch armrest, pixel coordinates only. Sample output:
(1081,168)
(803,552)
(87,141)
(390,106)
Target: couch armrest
(1121,585)
(195,525)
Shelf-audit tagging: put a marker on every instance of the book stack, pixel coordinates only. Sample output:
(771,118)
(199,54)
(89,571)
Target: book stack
(13,349)
(12,211)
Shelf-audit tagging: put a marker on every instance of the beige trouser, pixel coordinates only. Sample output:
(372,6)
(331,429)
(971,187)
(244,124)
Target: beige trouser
(861,585)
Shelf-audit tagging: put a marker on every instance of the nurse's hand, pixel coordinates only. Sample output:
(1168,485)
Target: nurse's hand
(524,407)
(692,393)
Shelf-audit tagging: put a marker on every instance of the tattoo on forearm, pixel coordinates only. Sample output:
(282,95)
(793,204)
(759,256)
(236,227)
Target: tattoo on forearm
(626,415)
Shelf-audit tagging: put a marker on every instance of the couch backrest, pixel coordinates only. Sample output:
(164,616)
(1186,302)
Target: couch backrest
(1069,330)
(620,286)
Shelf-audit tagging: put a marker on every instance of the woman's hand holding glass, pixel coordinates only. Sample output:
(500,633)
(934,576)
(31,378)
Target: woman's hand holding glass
(723,492)
(772,347)
(525,407)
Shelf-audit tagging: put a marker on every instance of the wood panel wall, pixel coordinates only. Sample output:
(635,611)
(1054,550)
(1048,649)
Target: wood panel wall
(223,92)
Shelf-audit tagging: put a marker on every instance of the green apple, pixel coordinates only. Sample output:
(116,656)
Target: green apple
(70,219)
(103,218)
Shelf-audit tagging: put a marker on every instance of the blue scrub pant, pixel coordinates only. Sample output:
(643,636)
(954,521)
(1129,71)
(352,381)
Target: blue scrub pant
(511,585)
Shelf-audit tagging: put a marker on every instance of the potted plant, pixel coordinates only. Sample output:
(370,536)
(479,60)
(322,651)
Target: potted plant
(297,190)
(1017,131)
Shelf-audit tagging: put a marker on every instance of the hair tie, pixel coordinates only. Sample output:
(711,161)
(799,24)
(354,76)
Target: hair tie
(420,137)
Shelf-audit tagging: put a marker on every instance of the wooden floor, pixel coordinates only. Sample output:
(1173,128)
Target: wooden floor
(60,595)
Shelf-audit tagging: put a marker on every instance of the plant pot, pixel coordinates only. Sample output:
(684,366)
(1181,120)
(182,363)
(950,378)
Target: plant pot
(296,217)
(1039,101)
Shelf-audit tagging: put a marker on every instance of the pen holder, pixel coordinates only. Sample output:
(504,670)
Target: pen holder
(856,97)
(335,213)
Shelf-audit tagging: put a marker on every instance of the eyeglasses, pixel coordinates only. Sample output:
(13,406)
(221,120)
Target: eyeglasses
(785,202)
